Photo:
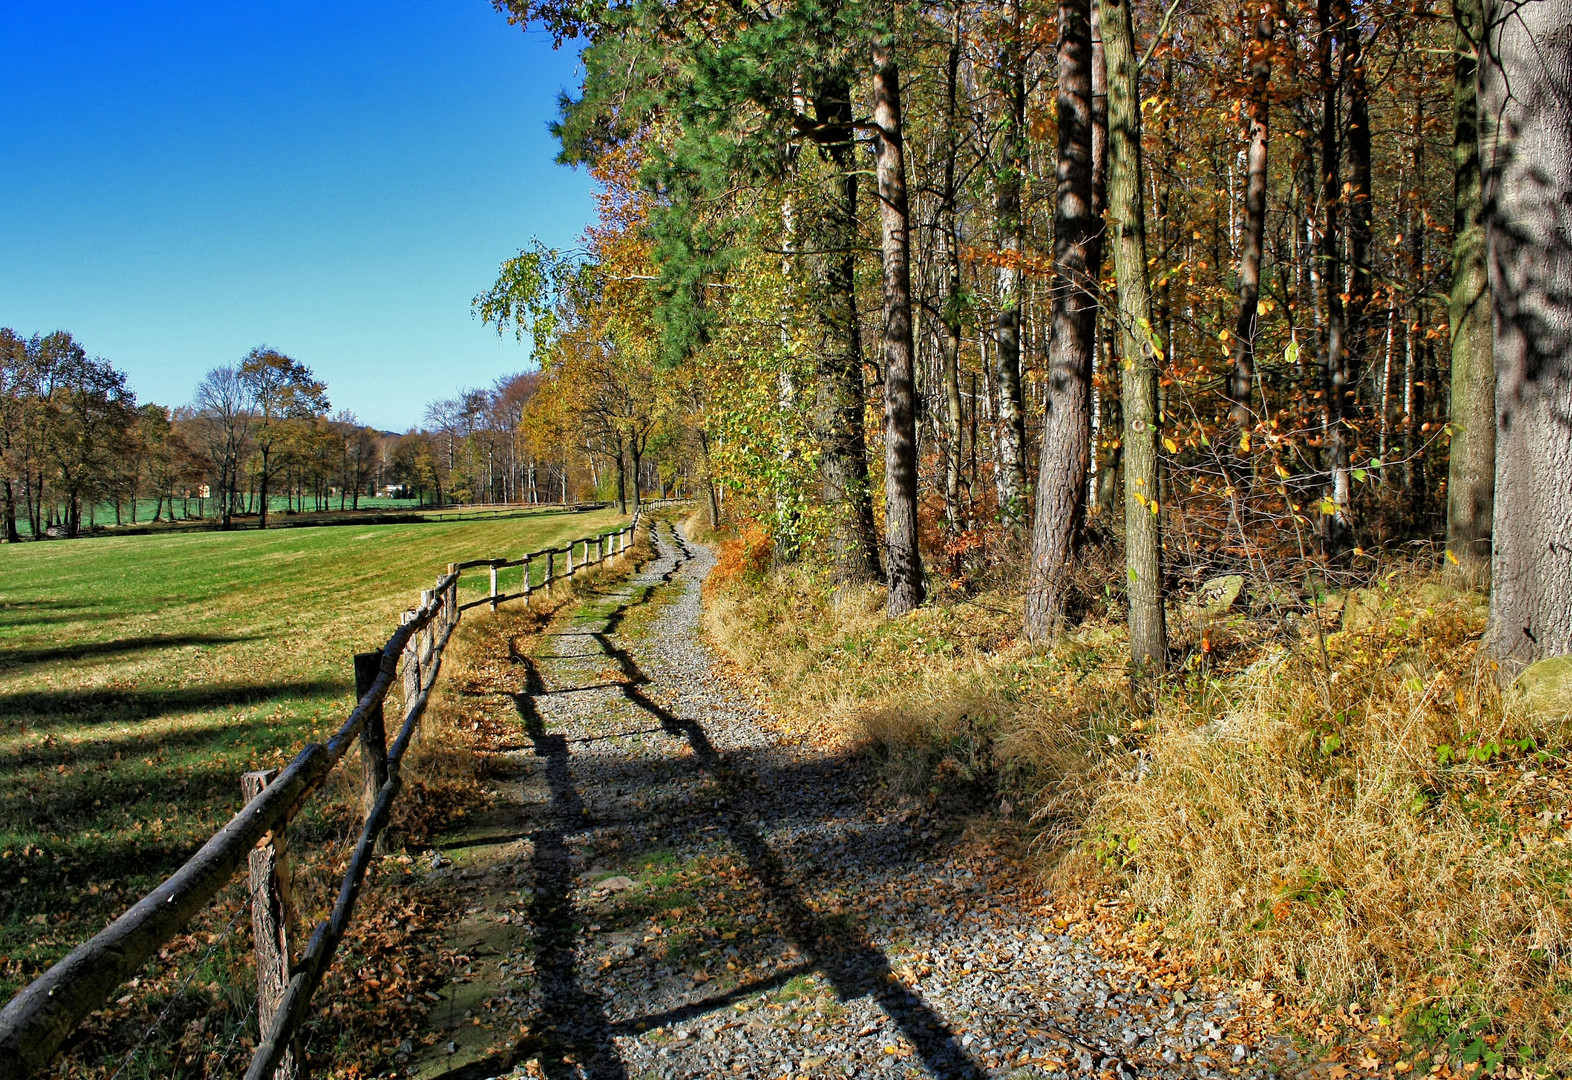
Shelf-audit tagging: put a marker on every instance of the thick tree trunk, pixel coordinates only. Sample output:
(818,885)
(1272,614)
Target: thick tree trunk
(1126,220)
(1011,451)
(904,560)
(1067,421)
(1258,110)
(1526,112)
(842,395)
(1471,475)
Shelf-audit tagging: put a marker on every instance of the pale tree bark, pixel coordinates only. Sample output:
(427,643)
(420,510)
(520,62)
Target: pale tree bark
(1127,226)
(1525,105)
(1336,527)
(1067,421)
(1011,451)
(902,559)
(1258,112)
(1471,469)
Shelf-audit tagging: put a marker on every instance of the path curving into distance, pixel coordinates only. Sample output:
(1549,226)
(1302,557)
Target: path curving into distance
(666,889)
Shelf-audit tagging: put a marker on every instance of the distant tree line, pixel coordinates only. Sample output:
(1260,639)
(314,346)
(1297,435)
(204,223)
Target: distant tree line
(76,448)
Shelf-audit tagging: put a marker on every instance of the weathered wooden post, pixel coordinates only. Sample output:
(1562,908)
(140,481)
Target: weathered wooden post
(551,558)
(570,559)
(411,664)
(272,917)
(373,737)
(526,581)
(450,598)
(493,586)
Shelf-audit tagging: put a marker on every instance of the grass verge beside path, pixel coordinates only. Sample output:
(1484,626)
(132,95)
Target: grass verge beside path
(1332,807)
(139,677)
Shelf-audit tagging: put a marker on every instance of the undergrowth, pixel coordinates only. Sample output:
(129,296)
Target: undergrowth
(1329,795)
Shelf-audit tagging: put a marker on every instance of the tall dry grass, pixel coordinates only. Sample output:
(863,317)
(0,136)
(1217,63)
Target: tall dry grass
(1347,815)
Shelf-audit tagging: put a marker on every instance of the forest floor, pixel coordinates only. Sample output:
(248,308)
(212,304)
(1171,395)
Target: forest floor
(667,885)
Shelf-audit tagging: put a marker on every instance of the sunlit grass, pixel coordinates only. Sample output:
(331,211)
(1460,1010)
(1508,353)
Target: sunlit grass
(140,676)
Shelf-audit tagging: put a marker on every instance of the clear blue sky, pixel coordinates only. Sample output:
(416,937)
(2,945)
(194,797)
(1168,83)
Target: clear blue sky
(182,181)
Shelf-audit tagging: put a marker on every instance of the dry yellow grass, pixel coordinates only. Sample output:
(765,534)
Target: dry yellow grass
(1348,815)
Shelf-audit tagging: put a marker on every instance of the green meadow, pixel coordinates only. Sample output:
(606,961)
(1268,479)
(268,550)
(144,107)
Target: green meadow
(141,676)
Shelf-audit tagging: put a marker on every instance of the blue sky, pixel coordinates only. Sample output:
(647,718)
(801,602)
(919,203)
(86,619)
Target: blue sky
(182,181)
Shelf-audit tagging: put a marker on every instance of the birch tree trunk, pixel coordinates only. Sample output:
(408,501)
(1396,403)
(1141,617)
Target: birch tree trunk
(1011,451)
(903,560)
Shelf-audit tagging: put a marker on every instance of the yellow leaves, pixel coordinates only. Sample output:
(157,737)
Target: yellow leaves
(1244,442)
(1327,507)
(1451,557)
(1173,447)
(1282,472)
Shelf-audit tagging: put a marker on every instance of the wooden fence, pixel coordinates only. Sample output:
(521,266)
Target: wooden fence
(42,1016)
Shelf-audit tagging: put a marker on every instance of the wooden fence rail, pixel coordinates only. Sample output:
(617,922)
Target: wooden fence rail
(44,1013)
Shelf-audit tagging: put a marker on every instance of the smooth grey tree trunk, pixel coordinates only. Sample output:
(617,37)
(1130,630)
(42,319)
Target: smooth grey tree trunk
(903,559)
(1526,146)
(1471,470)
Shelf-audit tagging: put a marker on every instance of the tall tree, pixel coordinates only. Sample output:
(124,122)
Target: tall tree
(1141,348)
(1526,108)
(900,392)
(1011,224)
(1471,469)
(1067,423)
(1258,110)
(280,389)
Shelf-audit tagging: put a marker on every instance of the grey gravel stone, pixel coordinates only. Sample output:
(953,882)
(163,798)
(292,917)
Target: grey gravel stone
(634,745)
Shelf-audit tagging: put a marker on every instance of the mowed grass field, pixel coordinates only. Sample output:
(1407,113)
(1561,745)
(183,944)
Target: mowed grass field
(141,676)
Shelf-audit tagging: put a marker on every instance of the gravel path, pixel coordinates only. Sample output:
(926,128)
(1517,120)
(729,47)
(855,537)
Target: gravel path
(677,893)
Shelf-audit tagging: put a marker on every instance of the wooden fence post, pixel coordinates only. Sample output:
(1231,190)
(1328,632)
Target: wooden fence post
(551,558)
(570,558)
(526,581)
(411,665)
(493,586)
(272,916)
(373,737)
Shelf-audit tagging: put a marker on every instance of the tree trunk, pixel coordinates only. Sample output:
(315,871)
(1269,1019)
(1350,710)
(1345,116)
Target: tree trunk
(1336,527)
(262,485)
(1126,220)
(842,403)
(1077,251)
(1258,110)
(1526,111)
(12,536)
(904,560)
(1011,451)
(950,313)
(1471,475)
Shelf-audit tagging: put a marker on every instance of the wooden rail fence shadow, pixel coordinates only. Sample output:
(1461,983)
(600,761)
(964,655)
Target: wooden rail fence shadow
(37,1022)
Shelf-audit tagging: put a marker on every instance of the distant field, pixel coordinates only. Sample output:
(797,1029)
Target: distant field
(184,514)
(140,676)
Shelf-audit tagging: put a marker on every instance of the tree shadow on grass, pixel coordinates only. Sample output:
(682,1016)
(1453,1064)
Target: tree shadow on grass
(46,709)
(13,658)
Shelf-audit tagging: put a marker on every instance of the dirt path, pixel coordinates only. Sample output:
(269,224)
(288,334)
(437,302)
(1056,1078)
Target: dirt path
(665,890)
